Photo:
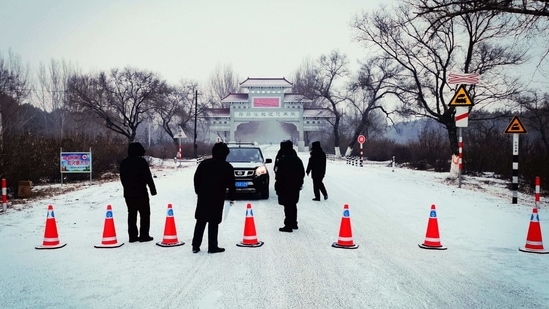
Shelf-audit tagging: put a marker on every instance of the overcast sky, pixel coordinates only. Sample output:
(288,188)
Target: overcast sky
(181,39)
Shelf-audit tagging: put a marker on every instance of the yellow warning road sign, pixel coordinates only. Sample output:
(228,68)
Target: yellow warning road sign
(461,98)
(515,127)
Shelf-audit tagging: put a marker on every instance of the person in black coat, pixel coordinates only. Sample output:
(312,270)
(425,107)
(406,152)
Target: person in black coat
(135,176)
(317,167)
(288,183)
(211,179)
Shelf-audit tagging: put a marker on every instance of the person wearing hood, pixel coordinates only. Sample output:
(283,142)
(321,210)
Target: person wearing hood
(317,167)
(288,182)
(135,176)
(211,180)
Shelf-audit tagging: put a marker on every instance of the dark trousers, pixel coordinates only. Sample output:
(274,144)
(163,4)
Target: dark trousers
(318,187)
(290,213)
(199,233)
(141,206)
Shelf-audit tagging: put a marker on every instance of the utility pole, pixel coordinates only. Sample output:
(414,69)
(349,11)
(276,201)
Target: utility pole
(195,146)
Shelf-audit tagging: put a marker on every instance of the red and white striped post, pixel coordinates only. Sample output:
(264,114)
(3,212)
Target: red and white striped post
(4,195)
(462,103)
(460,158)
(537,191)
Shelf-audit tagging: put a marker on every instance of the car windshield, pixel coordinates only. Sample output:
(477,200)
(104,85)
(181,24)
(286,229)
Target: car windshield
(244,155)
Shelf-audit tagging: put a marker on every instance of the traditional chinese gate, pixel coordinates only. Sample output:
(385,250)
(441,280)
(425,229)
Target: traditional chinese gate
(266,100)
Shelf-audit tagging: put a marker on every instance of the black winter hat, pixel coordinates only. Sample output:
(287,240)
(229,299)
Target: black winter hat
(135,149)
(316,145)
(286,145)
(220,151)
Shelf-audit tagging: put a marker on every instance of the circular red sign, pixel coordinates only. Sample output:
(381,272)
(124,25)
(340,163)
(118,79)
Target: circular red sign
(361,139)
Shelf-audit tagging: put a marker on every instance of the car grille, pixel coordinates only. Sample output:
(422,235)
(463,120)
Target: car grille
(243,173)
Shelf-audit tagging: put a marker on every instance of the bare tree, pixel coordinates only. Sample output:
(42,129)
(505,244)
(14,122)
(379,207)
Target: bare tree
(472,44)
(319,82)
(374,81)
(176,108)
(529,16)
(122,98)
(222,81)
(14,87)
(536,107)
(447,9)
(51,93)
(14,77)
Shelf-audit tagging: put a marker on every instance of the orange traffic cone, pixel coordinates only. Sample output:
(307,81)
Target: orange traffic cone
(345,239)
(250,237)
(534,243)
(109,232)
(170,232)
(432,238)
(51,238)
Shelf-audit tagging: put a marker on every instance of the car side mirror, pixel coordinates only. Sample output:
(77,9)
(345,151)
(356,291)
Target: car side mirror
(269,160)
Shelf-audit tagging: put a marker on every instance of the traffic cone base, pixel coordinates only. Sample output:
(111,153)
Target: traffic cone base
(253,245)
(345,239)
(432,238)
(170,231)
(172,244)
(50,247)
(109,246)
(51,238)
(336,245)
(523,249)
(534,242)
(424,246)
(250,238)
(109,232)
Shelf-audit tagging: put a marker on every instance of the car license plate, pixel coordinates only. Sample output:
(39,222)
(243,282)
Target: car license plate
(241,184)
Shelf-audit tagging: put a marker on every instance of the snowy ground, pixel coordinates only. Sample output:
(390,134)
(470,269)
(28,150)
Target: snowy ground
(389,210)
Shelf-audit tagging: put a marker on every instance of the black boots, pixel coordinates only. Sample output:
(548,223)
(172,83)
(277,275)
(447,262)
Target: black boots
(216,250)
(145,239)
(286,229)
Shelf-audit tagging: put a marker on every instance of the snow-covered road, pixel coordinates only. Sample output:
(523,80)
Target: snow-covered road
(389,210)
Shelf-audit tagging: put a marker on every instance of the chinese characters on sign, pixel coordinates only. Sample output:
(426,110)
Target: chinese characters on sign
(75,162)
(286,115)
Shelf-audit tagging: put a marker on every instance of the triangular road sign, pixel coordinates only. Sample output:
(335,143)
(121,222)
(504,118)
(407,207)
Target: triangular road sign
(515,127)
(461,98)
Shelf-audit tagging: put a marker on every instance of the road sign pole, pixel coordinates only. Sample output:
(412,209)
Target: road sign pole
(515,168)
(361,154)
(361,139)
(460,162)
(515,127)
(537,183)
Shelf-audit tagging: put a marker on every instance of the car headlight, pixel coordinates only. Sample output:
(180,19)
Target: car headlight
(260,170)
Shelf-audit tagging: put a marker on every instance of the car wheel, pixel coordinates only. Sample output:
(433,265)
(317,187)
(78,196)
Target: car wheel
(265,194)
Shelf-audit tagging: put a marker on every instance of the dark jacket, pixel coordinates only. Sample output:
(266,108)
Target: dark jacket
(278,155)
(317,162)
(289,177)
(211,179)
(135,174)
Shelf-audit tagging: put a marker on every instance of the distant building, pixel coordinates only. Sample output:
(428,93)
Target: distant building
(266,99)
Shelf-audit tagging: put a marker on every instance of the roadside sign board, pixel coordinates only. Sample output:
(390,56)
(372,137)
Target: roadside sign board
(469,79)
(361,139)
(515,127)
(462,116)
(461,98)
